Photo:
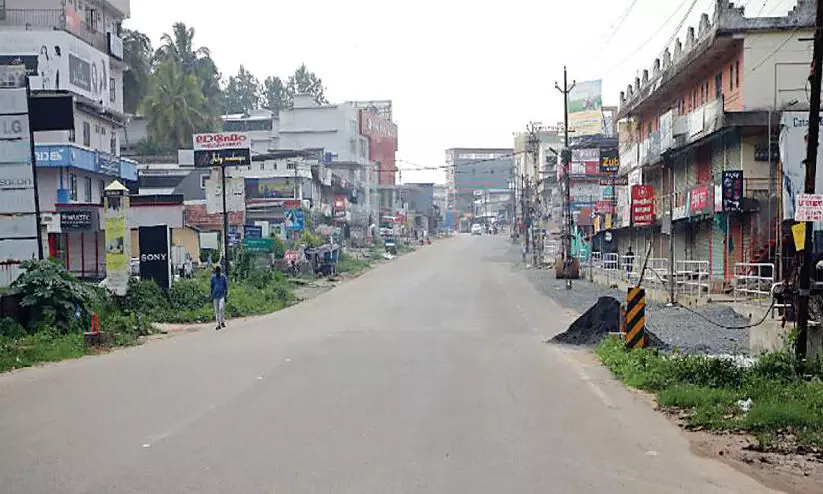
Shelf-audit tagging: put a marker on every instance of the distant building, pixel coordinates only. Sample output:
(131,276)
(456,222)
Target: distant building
(474,170)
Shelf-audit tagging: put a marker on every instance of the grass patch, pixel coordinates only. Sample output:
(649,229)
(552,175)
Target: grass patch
(46,346)
(787,396)
(352,265)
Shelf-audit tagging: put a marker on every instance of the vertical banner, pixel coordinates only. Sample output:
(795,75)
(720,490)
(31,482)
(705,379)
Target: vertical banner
(118,238)
(154,255)
(732,190)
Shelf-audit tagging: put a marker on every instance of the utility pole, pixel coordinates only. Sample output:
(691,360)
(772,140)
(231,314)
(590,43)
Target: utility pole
(802,349)
(566,155)
(533,147)
(225,222)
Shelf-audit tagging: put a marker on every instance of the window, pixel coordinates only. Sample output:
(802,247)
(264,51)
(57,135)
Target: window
(102,130)
(737,73)
(73,186)
(96,129)
(86,134)
(87,190)
(203,179)
(101,185)
(72,135)
(290,166)
(731,77)
(718,85)
(113,143)
(112,93)
(2,10)
(262,165)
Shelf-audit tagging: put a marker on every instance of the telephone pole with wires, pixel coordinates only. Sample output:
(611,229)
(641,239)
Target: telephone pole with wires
(566,159)
(803,337)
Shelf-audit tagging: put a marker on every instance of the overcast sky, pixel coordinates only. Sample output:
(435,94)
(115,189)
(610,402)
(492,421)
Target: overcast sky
(461,73)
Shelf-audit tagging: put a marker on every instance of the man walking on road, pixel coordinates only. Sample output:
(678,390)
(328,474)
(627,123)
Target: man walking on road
(219,290)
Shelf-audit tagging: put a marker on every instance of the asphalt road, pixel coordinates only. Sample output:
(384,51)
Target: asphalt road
(426,375)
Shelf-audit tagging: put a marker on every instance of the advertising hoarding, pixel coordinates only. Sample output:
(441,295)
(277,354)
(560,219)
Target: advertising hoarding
(700,201)
(732,190)
(118,238)
(56,60)
(154,255)
(235,194)
(221,157)
(585,108)
(382,135)
(210,141)
(794,130)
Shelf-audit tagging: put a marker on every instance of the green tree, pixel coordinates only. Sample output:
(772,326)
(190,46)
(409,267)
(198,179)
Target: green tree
(179,47)
(242,92)
(176,107)
(276,96)
(305,82)
(137,53)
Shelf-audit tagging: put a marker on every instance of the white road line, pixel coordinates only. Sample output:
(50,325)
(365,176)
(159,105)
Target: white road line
(601,395)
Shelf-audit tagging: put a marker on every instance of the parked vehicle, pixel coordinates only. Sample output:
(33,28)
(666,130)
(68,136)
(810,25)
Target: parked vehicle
(477,229)
(390,245)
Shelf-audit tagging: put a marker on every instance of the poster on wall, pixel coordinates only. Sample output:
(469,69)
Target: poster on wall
(118,238)
(56,60)
(794,130)
(154,255)
(732,190)
(585,108)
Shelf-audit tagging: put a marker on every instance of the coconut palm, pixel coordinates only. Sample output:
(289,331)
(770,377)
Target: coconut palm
(176,107)
(137,54)
(179,47)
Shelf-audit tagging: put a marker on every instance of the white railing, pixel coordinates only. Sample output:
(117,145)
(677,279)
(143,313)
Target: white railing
(692,277)
(753,281)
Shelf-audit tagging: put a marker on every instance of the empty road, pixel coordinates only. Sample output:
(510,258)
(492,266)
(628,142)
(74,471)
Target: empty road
(426,375)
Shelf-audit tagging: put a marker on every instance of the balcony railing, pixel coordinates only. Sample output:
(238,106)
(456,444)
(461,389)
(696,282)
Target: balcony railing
(56,19)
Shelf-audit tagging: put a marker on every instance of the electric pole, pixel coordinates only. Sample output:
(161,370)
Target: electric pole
(566,158)
(533,150)
(802,349)
(225,222)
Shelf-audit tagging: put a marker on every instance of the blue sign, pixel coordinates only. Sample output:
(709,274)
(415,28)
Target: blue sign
(234,235)
(53,156)
(294,219)
(108,164)
(252,231)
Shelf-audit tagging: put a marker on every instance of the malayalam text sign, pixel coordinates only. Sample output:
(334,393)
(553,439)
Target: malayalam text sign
(642,205)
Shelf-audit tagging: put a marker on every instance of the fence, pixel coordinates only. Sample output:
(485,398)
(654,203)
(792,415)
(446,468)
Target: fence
(656,275)
(692,277)
(753,281)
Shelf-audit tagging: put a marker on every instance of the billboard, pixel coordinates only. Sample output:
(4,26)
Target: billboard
(585,108)
(154,255)
(270,188)
(235,195)
(382,135)
(794,131)
(211,141)
(56,60)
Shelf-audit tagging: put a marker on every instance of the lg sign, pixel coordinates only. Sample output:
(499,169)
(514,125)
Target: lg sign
(221,140)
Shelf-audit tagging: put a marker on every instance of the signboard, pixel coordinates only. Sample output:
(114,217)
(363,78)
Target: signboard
(12,76)
(620,181)
(75,220)
(222,157)
(294,219)
(339,207)
(642,205)
(809,207)
(221,140)
(666,130)
(57,60)
(108,164)
(585,108)
(700,201)
(118,238)
(252,231)
(270,188)
(259,244)
(291,256)
(794,130)
(154,255)
(235,194)
(732,190)
(609,162)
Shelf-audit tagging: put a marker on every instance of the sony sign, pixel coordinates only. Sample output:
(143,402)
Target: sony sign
(154,255)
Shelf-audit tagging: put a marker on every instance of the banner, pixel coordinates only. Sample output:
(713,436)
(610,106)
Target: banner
(154,255)
(222,157)
(585,108)
(732,190)
(221,140)
(118,238)
(340,207)
(642,205)
(700,201)
(57,60)
(294,219)
(794,129)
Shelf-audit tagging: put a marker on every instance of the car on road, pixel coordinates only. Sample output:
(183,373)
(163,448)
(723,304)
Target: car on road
(477,229)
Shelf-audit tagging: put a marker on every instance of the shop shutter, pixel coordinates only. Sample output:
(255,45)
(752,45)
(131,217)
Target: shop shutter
(703,239)
(746,239)
(718,248)
(717,158)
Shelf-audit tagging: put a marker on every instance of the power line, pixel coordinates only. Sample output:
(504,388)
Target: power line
(615,27)
(469,163)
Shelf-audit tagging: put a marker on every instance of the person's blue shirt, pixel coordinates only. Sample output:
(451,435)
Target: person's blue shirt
(219,286)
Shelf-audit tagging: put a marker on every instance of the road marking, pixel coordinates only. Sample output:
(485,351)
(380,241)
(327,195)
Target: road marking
(288,360)
(601,395)
(146,445)
(259,377)
(652,453)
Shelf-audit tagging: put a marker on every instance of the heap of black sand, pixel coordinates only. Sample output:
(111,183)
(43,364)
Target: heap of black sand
(596,323)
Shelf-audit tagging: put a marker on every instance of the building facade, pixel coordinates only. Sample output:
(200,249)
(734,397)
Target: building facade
(699,131)
(476,169)
(73,47)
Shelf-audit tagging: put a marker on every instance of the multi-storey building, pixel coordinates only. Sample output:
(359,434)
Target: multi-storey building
(74,47)
(474,170)
(701,126)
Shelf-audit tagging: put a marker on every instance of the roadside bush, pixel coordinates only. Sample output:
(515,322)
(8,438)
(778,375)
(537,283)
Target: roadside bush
(311,240)
(279,247)
(52,294)
(205,253)
(146,297)
(9,328)
(189,294)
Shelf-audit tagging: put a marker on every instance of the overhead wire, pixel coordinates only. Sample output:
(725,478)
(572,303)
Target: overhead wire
(615,27)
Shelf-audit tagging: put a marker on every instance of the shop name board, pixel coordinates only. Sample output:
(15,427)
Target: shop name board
(642,205)
(616,181)
(14,126)
(75,220)
(221,140)
(222,157)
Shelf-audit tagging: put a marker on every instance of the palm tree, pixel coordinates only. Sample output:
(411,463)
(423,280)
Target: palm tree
(176,107)
(137,54)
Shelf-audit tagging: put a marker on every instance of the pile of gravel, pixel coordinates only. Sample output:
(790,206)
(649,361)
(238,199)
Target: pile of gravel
(590,328)
(690,333)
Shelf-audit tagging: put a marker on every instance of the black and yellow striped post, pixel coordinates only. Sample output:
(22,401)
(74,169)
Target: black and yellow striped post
(636,318)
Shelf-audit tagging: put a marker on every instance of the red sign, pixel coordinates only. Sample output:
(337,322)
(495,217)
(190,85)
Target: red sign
(220,140)
(291,255)
(196,215)
(340,206)
(382,136)
(604,206)
(642,205)
(699,201)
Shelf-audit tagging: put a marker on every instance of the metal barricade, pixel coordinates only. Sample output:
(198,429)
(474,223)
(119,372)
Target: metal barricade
(692,277)
(753,281)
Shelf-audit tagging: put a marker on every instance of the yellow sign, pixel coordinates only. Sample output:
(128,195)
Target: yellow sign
(608,221)
(596,224)
(118,251)
(799,234)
